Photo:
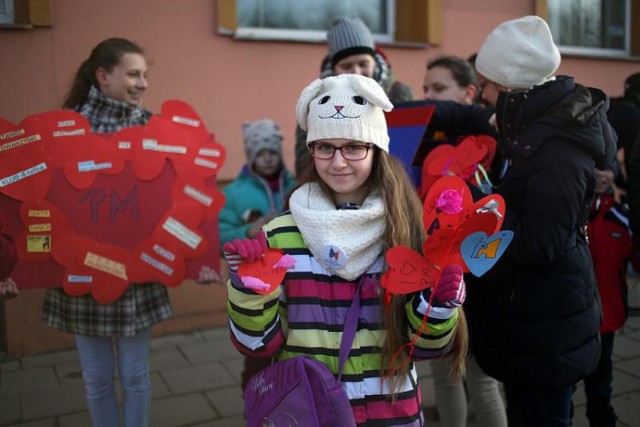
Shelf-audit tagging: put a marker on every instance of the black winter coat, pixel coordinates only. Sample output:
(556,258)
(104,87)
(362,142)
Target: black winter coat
(535,314)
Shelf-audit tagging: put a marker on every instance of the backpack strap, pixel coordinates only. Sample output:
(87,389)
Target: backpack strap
(349,332)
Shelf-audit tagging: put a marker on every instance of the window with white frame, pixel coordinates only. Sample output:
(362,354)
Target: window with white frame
(6,12)
(592,27)
(309,19)
(397,21)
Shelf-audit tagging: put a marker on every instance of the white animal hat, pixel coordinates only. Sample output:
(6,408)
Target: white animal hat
(348,106)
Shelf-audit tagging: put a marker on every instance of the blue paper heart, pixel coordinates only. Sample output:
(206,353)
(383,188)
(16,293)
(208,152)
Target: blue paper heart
(480,252)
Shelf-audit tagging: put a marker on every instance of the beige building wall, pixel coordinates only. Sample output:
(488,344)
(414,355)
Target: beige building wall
(226,80)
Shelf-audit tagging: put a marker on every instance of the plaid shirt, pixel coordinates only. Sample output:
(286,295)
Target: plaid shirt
(141,305)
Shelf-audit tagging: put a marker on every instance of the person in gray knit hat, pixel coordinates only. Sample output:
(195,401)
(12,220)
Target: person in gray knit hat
(353,51)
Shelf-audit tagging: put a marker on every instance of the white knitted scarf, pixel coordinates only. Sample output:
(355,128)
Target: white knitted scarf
(359,233)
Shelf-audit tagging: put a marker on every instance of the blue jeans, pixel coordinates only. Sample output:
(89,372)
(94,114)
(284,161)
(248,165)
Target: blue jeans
(98,357)
(539,407)
(598,387)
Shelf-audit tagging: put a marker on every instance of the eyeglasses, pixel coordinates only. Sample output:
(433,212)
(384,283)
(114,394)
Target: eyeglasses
(326,151)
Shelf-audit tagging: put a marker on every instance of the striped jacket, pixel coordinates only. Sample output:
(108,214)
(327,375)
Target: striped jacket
(306,315)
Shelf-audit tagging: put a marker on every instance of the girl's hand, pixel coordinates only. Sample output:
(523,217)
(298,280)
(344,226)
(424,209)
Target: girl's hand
(8,289)
(450,290)
(237,251)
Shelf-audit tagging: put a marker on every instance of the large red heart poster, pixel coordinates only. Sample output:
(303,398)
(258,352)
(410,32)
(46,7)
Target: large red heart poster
(92,213)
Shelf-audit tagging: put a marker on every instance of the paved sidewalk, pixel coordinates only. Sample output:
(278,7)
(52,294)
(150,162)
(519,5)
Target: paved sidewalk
(195,380)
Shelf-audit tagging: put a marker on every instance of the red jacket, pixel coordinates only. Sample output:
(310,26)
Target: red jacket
(8,253)
(610,246)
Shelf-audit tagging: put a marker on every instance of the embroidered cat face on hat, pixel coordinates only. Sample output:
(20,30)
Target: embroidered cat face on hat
(348,106)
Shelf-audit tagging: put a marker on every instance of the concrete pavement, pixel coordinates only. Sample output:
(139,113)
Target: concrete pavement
(195,379)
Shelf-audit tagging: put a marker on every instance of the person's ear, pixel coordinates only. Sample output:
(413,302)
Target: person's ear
(101,77)
(470,93)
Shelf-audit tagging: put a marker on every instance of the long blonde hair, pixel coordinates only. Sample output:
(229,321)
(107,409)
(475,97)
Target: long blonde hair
(404,227)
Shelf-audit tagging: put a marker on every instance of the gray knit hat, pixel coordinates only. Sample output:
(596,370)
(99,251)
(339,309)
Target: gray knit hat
(349,36)
(261,135)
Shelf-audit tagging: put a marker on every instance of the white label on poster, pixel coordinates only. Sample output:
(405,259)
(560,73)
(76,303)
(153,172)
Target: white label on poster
(206,163)
(22,174)
(164,253)
(106,265)
(209,152)
(197,195)
(181,232)
(186,121)
(157,264)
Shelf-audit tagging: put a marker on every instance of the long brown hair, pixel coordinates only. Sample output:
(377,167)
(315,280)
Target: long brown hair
(404,227)
(106,54)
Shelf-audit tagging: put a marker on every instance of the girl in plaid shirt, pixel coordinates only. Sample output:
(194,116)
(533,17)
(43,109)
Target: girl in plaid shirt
(107,90)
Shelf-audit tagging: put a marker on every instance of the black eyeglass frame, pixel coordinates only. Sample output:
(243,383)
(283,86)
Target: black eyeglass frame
(366,146)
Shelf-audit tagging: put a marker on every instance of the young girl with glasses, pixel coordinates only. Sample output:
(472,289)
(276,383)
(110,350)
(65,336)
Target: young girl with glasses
(353,204)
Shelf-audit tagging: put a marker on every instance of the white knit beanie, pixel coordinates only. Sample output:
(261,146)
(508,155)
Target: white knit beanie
(347,106)
(349,36)
(519,54)
(261,135)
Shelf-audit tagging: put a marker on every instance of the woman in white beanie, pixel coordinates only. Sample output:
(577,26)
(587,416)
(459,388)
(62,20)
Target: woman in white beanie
(356,203)
(535,313)
(353,51)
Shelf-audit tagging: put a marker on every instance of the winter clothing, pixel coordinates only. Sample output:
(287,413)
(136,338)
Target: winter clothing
(324,105)
(349,36)
(142,305)
(610,246)
(305,316)
(247,193)
(535,316)
(261,135)
(519,54)
(313,211)
(108,115)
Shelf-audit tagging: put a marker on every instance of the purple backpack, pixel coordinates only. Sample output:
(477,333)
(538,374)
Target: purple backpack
(301,391)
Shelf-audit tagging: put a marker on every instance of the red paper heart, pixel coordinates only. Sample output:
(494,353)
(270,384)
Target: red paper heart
(108,267)
(433,217)
(85,161)
(408,271)
(462,161)
(211,199)
(180,226)
(263,270)
(162,261)
(181,113)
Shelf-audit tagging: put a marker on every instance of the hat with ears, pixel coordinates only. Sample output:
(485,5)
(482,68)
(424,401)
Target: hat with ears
(519,54)
(261,135)
(347,106)
(349,36)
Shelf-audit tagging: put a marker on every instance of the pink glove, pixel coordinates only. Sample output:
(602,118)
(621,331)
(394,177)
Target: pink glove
(450,290)
(238,251)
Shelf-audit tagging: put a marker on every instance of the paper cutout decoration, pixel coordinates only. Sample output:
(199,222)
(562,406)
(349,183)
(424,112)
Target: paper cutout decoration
(449,216)
(408,271)
(267,270)
(144,198)
(480,252)
(465,160)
